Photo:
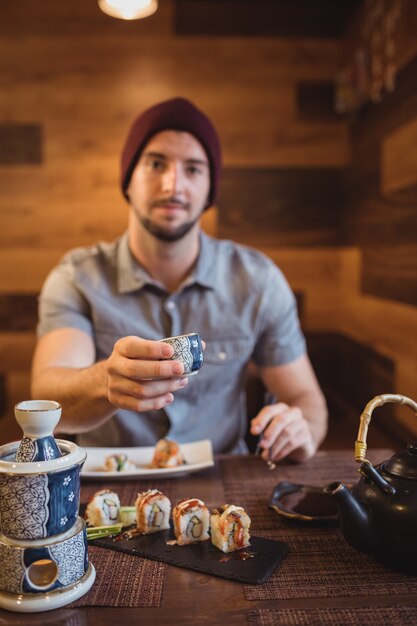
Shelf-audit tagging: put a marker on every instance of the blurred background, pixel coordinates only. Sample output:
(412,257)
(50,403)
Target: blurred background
(316,105)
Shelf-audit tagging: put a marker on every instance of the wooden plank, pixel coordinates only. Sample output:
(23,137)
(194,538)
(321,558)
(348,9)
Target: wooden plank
(255,113)
(210,221)
(274,206)
(146,63)
(406,39)
(320,274)
(286,18)
(288,144)
(353,369)
(373,218)
(370,216)
(406,376)
(385,325)
(17,389)
(380,322)
(399,158)
(376,121)
(20,143)
(25,18)
(3,394)
(390,271)
(315,101)
(18,312)
(16,350)
(23,270)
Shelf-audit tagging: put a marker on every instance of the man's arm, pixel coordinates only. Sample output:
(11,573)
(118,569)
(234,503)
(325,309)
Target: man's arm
(298,422)
(136,376)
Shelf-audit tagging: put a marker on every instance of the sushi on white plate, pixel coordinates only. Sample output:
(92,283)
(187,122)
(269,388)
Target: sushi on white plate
(230,528)
(103,508)
(118,463)
(191,521)
(153,509)
(167,453)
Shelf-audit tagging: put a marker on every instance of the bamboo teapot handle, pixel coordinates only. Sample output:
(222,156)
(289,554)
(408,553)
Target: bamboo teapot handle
(360,443)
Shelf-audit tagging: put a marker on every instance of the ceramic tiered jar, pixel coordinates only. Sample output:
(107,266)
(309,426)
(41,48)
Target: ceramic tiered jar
(43,544)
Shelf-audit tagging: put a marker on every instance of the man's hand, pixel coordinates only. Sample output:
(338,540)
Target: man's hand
(287,433)
(140,375)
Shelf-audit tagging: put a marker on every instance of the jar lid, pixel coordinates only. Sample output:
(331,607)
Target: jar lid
(403,464)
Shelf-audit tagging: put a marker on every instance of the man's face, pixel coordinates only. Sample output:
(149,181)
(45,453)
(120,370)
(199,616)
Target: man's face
(170,184)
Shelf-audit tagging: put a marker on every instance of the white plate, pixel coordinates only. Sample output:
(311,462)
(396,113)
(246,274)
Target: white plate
(198,455)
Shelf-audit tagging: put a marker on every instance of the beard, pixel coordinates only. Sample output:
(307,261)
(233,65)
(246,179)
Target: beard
(166,233)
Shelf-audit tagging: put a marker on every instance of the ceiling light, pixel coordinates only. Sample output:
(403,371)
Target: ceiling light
(128,9)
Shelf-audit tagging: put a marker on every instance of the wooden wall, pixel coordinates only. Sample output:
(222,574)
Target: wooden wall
(379,215)
(73,80)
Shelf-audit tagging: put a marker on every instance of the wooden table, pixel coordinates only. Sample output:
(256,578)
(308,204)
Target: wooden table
(193,598)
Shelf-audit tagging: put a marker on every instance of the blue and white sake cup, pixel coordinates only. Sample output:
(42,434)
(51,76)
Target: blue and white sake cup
(37,419)
(42,498)
(189,350)
(42,566)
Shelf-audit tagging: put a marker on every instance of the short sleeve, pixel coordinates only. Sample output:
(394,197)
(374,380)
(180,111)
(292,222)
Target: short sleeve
(61,303)
(280,338)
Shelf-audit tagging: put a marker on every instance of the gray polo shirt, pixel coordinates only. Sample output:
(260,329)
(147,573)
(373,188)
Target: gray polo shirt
(235,297)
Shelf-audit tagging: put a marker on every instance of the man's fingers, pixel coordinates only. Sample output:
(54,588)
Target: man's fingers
(138,369)
(265,416)
(146,388)
(133,404)
(137,348)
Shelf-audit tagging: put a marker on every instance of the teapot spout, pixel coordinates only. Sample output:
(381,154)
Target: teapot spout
(353,518)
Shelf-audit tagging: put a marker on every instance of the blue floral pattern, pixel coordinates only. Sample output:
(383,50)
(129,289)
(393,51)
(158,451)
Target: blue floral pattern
(27,451)
(12,569)
(70,556)
(49,452)
(23,506)
(182,352)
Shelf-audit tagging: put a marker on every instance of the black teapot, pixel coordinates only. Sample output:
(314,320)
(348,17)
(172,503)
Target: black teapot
(379,513)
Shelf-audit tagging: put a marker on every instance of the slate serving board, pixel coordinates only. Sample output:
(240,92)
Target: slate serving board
(204,557)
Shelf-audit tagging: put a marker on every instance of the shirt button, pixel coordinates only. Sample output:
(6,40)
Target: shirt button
(170,305)
(222,356)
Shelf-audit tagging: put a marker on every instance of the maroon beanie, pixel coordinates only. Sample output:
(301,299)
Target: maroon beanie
(174,114)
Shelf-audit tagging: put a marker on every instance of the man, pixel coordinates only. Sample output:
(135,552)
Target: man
(103,309)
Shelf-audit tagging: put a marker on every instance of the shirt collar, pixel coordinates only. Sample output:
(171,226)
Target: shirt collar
(204,272)
(131,276)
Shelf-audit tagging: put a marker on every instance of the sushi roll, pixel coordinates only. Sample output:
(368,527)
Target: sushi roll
(167,454)
(191,521)
(103,508)
(153,509)
(118,463)
(230,528)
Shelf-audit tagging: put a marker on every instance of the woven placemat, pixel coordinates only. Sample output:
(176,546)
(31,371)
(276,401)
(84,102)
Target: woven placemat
(360,616)
(249,482)
(320,562)
(251,485)
(123,580)
(323,468)
(322,565)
